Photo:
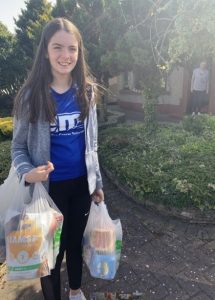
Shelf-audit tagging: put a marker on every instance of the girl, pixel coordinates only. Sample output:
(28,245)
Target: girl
(55,141)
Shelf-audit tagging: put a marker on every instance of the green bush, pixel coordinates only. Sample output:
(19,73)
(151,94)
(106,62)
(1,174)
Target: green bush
(199,124)
(5,159)
(6,127)
(175,167)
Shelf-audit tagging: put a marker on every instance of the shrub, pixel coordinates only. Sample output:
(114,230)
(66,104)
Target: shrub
(174,167)
(199,124)
(6,127)
(5,159)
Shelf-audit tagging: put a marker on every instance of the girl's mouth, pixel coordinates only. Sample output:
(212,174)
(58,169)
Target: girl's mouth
(64,64)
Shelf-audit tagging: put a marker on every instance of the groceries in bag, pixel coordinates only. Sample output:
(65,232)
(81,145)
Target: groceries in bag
(102,243)
(2,241)
(7,191)
(33,237)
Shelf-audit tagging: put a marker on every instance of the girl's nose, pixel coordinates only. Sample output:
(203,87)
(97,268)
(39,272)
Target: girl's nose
(65,53)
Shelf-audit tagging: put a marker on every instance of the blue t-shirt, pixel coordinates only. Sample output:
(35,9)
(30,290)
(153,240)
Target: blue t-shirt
(67,138)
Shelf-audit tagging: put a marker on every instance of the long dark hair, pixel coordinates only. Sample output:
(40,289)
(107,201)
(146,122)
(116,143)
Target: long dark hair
(35,92)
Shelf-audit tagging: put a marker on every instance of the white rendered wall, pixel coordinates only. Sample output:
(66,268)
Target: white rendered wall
(174,88)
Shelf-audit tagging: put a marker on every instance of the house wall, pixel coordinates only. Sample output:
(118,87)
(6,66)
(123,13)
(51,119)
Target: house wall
(131,80)
(116,84)
(175,103)
(174,88)
(171,103)
(211,105)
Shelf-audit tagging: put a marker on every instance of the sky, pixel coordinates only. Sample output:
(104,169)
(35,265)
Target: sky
(10,9)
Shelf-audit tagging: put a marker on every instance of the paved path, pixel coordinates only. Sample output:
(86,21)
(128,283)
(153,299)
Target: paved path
(163,258)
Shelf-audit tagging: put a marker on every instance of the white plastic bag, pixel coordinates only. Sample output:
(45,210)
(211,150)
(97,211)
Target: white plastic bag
(102,242)
(7,191)
(32,235)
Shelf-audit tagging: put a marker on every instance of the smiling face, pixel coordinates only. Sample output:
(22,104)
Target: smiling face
(62,52)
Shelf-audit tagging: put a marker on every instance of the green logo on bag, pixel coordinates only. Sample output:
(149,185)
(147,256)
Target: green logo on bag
(118,245)
(24,268)
(57,235)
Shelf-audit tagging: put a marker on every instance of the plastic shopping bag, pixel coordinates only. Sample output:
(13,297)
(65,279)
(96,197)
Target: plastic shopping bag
(32,235)
(7,191)
(102,242)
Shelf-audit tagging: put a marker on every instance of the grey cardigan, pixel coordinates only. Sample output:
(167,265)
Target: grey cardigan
(31,147)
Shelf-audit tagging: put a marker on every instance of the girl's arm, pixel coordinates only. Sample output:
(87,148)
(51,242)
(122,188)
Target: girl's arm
(21,158)
(19,149)
(98,194)
(99,184)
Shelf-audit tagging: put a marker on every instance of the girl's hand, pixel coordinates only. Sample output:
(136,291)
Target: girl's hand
(40,173)
(98,196)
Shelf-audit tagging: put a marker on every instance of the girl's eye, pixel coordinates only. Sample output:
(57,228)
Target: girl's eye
(73,49)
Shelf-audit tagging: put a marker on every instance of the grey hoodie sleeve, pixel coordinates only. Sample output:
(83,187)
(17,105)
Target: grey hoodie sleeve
(99,184)
(94,134)
(19,148)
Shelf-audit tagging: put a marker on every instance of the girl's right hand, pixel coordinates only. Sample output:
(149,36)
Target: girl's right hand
(40,173)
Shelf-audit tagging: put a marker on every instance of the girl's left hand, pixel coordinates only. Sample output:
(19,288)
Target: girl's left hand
(98,196)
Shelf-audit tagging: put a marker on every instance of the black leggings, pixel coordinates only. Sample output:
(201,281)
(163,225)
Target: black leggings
(73,199)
